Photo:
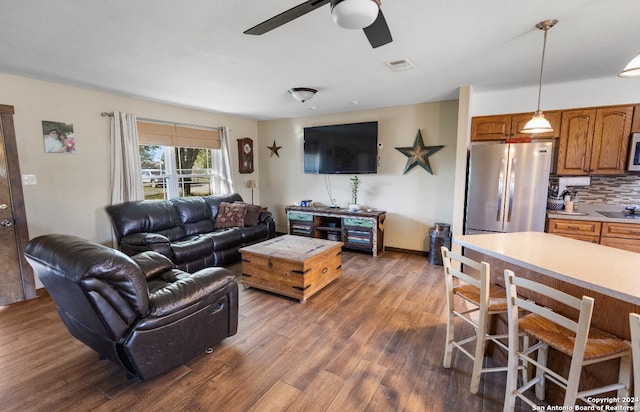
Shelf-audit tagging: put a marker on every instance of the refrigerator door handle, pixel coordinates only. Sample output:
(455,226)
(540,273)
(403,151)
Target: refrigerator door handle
(500,191)
(512,184)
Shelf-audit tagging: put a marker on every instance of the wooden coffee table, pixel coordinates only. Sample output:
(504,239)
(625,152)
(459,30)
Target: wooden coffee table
(293,266)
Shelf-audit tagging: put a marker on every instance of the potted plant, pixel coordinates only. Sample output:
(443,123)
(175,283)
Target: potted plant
(355,181)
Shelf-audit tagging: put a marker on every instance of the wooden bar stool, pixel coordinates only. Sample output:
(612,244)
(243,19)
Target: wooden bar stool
(585,345)
(482,299)
(634,323)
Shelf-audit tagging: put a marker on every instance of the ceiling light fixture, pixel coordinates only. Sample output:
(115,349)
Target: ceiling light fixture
(355,14)
(538,124)
(302,94)
(632,69)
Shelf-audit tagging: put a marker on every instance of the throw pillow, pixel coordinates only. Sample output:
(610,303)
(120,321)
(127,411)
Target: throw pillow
(230,215)
(253,214)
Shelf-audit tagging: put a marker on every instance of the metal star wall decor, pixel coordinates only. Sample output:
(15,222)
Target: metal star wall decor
(274,149)
(418,154)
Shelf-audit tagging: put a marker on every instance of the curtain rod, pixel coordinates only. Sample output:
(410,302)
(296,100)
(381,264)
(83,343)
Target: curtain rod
(144,119)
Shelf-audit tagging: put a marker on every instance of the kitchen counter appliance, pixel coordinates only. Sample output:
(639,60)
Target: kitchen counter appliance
(507,187)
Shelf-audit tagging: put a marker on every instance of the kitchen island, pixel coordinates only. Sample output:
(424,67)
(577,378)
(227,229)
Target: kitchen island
(609,271)
(611,276)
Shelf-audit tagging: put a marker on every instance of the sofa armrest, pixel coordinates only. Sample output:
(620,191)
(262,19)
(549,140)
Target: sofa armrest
(188,291)
(152,263)
(264,216)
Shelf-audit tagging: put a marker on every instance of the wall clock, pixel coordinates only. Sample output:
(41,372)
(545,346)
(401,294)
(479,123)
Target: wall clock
(245,155)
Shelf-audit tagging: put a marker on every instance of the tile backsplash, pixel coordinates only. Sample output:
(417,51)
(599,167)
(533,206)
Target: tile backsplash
(622,190)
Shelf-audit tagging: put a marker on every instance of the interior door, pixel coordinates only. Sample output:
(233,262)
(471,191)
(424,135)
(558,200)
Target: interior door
(16,277)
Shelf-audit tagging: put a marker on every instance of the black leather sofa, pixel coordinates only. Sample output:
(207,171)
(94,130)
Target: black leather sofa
(190,231)
(139,312)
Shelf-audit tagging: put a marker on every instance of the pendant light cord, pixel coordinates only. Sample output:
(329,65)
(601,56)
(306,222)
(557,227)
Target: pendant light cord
(544,47)
(543,25)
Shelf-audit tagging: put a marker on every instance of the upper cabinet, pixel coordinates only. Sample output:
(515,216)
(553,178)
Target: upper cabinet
(507,126)
(591,141)
(594,141)
(635,124)
(490,127)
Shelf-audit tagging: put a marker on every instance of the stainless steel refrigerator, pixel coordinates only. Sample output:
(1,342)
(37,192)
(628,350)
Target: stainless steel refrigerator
(507,187)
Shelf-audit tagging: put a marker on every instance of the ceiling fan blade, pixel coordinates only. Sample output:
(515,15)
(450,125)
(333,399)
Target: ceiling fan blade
(378,32)
(286,17)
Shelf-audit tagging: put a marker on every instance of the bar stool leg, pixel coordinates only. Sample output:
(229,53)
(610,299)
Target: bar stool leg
(543,353)
(478,360)
(526,368)
(512,363)
(624,376)
(448,350)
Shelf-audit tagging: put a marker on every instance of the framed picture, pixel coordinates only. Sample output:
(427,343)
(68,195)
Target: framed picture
(58,137)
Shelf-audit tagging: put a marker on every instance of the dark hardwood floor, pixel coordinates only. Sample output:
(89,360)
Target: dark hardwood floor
(371,341)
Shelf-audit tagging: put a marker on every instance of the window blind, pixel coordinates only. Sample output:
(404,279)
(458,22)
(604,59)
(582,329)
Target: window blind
(177,136)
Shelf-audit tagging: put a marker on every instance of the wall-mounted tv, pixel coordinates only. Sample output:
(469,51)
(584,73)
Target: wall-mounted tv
(341,149)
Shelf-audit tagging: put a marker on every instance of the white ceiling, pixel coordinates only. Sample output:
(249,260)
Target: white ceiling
(193,53)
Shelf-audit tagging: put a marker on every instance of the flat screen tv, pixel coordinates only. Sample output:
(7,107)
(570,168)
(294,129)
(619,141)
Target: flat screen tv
(341,149)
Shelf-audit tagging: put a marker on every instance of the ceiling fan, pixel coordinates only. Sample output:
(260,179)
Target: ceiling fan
(349,14)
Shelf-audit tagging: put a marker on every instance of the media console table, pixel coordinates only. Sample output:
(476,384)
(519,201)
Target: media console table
(361,230)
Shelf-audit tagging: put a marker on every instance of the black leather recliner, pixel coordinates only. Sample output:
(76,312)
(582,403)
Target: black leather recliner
(139,312)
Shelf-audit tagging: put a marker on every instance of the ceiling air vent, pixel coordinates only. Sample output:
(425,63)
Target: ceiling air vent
(400,65)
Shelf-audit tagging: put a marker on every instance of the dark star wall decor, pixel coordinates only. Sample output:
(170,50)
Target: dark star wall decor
(274,149)
(418,154)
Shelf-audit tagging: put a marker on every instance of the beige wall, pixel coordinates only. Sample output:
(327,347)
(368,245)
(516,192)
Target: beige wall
(413,201)
(73,190)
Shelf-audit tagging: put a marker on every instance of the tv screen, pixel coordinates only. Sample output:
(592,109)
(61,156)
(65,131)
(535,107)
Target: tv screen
(345,148)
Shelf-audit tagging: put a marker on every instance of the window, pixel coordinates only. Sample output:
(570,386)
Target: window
(178,161)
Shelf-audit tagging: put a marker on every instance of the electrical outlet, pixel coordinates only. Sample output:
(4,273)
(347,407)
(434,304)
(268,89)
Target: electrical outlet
(29,180)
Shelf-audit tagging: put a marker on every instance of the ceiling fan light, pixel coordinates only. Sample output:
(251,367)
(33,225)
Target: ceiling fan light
(537,124)
(355,14)
(302,94)
(632,69)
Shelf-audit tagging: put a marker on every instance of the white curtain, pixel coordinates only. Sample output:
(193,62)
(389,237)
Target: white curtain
(223,165)
(126,180)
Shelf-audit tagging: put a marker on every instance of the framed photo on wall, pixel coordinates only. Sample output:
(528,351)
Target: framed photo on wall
(58,137)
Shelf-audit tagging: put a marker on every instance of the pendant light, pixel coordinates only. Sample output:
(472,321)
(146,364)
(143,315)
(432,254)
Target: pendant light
(632,69)
(538,124)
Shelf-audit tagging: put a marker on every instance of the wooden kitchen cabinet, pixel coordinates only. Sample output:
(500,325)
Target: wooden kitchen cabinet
(621,235)
(635,124)
(611,140)
(506,126)
(632,245)
(576,138)
(496,127)
(586,230)
(594,141)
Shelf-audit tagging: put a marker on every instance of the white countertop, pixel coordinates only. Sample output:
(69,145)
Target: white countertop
(604,269)
(590,212)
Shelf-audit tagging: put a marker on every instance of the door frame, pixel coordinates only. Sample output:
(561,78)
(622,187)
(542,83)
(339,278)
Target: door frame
(8,135)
